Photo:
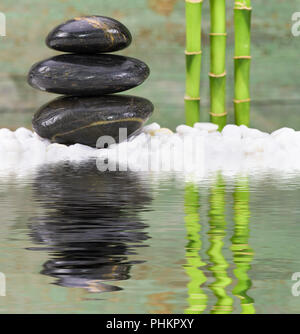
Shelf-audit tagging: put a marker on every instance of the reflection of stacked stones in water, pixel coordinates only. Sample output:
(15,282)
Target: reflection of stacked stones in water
(91,224)
(86,73)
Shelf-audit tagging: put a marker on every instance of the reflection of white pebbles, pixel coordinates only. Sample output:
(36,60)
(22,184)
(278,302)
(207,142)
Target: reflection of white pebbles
(193,149)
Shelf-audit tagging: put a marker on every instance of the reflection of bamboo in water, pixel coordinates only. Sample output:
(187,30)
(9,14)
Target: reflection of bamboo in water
(216,235)
(197,299)
(242,253)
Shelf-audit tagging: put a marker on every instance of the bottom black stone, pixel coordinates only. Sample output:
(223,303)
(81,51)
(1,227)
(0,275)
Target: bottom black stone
(83,120)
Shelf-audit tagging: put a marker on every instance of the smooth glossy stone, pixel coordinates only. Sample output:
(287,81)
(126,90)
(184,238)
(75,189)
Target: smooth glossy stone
(87,75)
(89,34)
(70,120)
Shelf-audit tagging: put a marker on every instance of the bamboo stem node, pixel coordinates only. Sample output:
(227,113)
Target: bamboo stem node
(194,1)
(242,57)
(242,101)
(243,8)
(190,53)
(218,34)
(213,75)
(189,98)
(218,115)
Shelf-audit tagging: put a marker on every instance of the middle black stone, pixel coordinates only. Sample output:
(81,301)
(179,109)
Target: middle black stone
(87,75)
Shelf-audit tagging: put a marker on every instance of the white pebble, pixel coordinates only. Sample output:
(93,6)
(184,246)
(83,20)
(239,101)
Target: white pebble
(10,145)
(162,132)
(6,133)
(23,133)
(252,133)
(151,127)
(209,127)
(56,152)
(232,131)
(283,132)
(184,129)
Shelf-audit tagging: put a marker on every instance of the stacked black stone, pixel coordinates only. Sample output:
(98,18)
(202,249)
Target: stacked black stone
(87,75)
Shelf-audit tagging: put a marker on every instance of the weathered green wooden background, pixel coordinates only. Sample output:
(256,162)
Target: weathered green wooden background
(158,28)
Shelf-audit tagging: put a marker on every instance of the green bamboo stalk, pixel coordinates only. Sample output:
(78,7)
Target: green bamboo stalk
(242,60)
(193,53)
(242,252)
(216,235)
(196,297)
(218,63)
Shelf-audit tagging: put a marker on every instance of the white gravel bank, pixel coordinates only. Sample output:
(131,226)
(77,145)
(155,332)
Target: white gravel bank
(197,150)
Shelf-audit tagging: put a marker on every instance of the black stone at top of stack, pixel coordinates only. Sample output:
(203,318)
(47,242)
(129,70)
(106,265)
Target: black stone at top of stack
(87,73)
(89,34)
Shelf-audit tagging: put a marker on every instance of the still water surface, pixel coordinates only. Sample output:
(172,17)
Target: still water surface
(73,239)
